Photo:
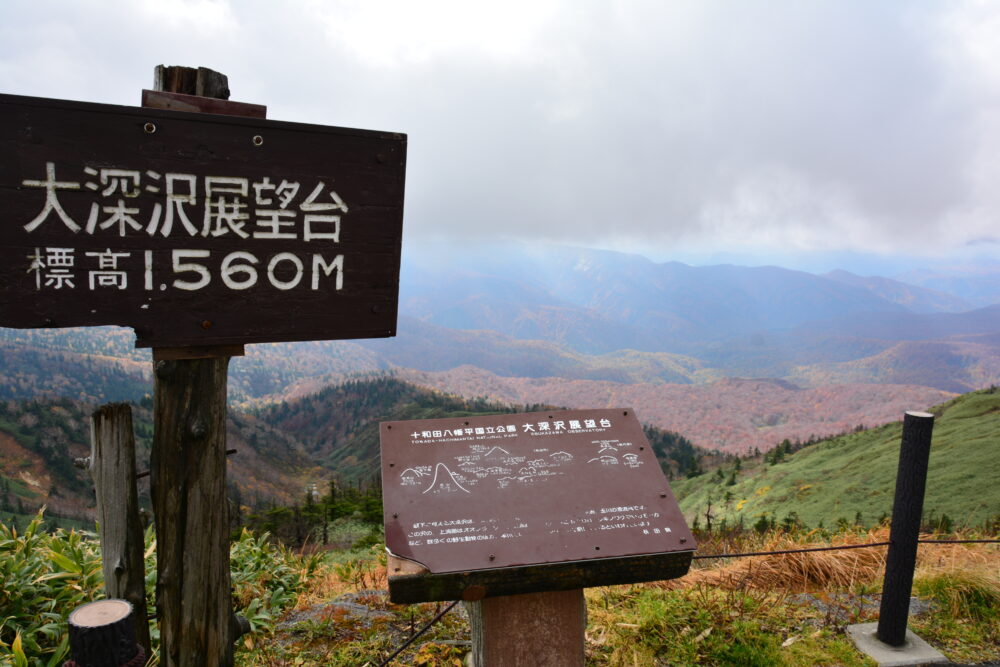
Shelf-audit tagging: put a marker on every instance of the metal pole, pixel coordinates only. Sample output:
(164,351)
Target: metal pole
(907,509)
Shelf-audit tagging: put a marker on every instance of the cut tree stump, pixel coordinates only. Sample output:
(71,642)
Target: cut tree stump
(102,634)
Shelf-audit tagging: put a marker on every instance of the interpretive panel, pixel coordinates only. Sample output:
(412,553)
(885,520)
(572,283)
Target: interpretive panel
(197,229)
(525,489)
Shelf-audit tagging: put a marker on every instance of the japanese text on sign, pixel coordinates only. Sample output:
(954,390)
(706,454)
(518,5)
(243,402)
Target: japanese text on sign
(223,205)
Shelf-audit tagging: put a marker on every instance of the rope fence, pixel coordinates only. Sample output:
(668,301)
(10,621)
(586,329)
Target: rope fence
(748,554)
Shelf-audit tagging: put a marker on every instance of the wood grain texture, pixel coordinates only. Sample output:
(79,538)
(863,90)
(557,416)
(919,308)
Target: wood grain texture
(477,584)
(102,634)
(188,473)
(158,99)
(200,81)
(534,630)
(112,466)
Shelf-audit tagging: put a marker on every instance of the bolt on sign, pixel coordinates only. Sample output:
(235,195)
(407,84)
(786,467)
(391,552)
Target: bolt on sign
(480,495)
(197,229)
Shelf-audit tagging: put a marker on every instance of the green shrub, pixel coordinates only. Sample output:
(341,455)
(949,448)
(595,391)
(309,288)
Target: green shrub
(45,576)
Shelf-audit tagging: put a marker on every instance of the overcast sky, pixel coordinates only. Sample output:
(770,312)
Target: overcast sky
(677,128)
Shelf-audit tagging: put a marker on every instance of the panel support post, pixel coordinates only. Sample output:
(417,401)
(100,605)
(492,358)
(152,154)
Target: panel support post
(530,630)
(112,466)
(188,477)
(907,509)
(188,461)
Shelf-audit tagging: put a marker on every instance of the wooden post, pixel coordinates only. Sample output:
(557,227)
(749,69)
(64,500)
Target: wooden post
(102,634)
(531,630)
(907,509)
(188,466)
(112,466)
(188,474)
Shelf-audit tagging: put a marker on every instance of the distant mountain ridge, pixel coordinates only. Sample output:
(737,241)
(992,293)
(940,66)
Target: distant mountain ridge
(730,414)
(914,298)
(600,301)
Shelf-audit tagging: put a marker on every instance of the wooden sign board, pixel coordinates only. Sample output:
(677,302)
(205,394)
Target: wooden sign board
(197,229)
(522,503)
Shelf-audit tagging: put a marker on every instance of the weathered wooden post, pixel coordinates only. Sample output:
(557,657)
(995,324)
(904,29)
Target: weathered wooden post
(517,514)
(112,466)
(188,459)
(907,510)
(529,629)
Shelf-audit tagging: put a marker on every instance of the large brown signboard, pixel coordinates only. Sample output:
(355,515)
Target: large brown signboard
(516,490)
(197,229)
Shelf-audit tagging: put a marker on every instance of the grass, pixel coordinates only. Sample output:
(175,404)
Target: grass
(331,608)
(777,610)
(840,478)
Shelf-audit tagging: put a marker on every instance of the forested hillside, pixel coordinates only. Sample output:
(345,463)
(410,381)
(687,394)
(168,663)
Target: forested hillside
(40,439)
(852,477)
(282,450)
(339,425)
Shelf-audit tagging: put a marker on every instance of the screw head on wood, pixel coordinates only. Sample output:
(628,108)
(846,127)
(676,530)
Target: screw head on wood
(206,324)
(258,140)
(149,128)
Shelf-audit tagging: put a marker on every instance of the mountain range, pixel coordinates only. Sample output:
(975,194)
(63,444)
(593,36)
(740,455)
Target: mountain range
(730,356)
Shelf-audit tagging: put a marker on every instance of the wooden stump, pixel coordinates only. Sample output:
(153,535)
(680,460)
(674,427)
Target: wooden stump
(102,634)
(532,630)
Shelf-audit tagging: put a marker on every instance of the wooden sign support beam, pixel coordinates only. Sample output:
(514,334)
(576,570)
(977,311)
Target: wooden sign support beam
(529,630)
(188,468)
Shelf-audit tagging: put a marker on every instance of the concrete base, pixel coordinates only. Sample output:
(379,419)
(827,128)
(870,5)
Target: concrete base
(915,651)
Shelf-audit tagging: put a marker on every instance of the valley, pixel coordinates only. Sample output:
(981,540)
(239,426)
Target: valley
(733,360)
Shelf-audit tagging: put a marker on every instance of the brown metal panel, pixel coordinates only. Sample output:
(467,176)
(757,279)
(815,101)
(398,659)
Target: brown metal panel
(525,489)
(84,199)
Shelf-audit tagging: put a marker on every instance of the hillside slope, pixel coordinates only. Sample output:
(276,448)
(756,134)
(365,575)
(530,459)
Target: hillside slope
(856,473)
(39,440)
(339,425)
(732,414)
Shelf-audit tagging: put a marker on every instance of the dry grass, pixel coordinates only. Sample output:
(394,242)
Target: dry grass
(796,572)
(801,572)
(328,583)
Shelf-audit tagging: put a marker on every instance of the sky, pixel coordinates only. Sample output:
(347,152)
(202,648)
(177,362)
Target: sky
(792,132)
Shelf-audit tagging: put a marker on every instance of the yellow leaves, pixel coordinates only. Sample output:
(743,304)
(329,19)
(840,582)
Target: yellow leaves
(762,491)
(20,659)
(740,504)
(432,654)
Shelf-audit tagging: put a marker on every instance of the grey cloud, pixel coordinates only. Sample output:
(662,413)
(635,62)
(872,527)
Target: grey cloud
(669,123)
